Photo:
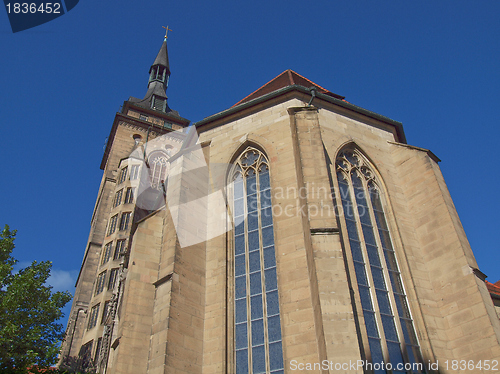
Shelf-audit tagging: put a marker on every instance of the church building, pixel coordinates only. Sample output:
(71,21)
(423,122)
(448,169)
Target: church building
(292,232)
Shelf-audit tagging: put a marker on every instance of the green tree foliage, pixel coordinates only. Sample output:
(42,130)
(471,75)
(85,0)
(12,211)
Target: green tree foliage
(29,310)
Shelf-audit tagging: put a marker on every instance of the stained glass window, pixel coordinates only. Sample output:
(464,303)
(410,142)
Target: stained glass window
(387,319)
(257,324)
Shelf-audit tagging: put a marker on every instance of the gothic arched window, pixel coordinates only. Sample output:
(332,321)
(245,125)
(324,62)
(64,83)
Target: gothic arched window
(388,327)
(256,325)
(158,167)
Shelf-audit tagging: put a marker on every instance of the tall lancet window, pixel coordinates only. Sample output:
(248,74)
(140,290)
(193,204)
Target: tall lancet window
(158,167)
(388,328)
(257,327)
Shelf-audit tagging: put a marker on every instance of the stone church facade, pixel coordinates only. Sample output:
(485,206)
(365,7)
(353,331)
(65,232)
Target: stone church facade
(337,247)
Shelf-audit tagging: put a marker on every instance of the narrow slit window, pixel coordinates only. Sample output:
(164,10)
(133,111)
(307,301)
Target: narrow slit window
(94,313)
(119,249)
(112,279)
(129,196)
(112,224)
(99,287)
(105,311)
(123,175)
(108,248)
(118,198)
(134,172)
(125,220)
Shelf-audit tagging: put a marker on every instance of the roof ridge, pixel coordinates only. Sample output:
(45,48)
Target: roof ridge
(492,287)
(261,87)
(310,81)
(287,78)
(290,71)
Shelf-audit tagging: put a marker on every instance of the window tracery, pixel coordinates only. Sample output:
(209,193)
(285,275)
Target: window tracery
(387,319)
(257,325)
(158,165)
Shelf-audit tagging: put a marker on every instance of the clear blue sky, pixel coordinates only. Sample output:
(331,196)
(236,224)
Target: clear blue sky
(433,65)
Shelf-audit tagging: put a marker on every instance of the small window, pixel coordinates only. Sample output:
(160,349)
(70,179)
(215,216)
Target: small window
(112,224)
(107,253)
(85,355)
(167,125)
(100,283)
(97,349)
(94,312)
(112,278)
(137,138)
(134,172)
(120,249)
(118,198)
(169,149)
(161,69)
(123,175)
(125,221)
(129,196)
(158,103)
(143,117)
(105,312)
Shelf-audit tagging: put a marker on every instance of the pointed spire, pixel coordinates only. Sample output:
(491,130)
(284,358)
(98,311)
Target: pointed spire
(162,57)
(159,74)
(160,70)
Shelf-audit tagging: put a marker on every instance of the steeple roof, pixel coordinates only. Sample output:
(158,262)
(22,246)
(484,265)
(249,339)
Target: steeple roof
(287,78)
(159,74)
(162,57)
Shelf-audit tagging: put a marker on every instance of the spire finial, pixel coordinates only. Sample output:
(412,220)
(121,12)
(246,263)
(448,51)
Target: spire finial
(166,31)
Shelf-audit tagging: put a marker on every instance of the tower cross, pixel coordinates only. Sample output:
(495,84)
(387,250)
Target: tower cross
(166,31)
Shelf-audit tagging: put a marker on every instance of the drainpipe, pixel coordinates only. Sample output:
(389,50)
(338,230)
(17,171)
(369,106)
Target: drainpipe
(145,145)
(313,95)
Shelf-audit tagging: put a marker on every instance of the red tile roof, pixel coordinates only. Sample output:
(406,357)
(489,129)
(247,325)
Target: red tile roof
(493,288)
(285,79)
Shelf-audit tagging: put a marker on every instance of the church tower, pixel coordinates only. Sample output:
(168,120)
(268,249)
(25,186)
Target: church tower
(292,232)
(130,146)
